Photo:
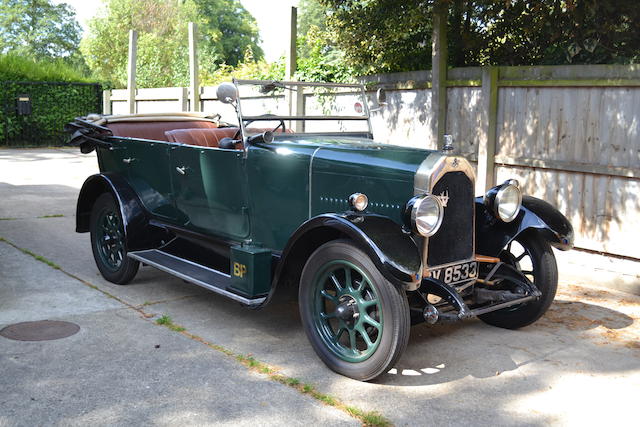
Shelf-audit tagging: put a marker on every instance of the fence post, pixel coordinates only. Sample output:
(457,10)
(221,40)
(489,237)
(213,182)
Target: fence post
(131,77)
(295,99)
(106,102)
(292,55)
(193,67)
(439,71)
(183,99)
(487,145)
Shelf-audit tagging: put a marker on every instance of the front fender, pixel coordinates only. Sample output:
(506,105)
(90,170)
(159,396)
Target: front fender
(139,234)
(392,250)
(492,235)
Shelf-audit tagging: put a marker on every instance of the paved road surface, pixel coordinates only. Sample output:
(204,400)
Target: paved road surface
(579,365)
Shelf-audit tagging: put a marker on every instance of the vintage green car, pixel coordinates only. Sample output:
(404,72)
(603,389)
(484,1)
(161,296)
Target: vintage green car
(376,237)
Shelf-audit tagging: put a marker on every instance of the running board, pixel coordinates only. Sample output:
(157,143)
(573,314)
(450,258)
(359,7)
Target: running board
(192,272)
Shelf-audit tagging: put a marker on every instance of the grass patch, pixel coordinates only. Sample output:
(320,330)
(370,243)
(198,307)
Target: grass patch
(73,276)
(35,256)
(40,258)
(51,216)
(165,320)
(7,219)
(372,419)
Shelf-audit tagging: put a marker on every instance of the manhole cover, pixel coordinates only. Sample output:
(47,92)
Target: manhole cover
(42,330)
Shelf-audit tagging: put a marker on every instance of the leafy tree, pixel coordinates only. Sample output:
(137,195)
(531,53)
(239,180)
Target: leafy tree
(162,42)
(381,35)
(312,14)
(38,29)
(318,57)
(249,68)
(560,31)
(226,31)
(385,35)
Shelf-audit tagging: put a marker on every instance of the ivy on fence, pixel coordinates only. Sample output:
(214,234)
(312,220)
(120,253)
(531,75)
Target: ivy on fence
(33,114)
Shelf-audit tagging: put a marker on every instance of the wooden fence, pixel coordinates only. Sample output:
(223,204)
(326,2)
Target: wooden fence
(569,134)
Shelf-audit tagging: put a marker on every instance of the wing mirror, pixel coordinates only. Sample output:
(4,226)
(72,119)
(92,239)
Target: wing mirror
(381,96)
(227,93)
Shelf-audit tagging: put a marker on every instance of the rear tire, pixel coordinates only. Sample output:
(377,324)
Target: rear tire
(108,242)
(544,275)
(356,320)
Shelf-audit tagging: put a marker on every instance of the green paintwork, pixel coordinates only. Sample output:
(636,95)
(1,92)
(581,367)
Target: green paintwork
(212,192)
(357,338)
(384,174)
(262,196)
(278,176)
(282,197)
(148,174)
(250,268)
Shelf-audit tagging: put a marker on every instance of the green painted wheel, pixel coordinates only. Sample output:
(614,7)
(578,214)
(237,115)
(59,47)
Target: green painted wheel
(356,320)
(108,242)
(347,311)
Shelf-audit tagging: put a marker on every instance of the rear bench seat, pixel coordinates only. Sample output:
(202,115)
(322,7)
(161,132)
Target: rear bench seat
(156,130)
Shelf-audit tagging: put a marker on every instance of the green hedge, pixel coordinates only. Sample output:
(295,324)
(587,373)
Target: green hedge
(52,103)
(20,68)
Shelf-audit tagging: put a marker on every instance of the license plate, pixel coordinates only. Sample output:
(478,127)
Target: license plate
(456,273)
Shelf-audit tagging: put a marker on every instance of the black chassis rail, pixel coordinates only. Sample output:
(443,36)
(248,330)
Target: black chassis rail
(500,299)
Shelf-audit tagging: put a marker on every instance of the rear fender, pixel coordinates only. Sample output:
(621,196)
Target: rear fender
(139,234)
(492,235)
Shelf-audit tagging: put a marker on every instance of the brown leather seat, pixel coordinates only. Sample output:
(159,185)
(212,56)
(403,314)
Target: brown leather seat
(155,130)
(201,137)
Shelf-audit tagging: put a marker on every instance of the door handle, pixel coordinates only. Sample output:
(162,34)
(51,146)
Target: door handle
(128,160)
(182,170)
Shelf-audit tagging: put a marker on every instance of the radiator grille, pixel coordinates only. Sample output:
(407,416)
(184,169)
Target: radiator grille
(455,239)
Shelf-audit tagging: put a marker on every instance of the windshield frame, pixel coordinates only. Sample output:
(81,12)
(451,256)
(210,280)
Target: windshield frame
(242,119)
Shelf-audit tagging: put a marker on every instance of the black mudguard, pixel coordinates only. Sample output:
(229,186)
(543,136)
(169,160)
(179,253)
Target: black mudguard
(492,234)
(392,250)
(139,234)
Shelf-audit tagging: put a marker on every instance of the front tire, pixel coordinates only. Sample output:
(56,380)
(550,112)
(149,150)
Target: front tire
(535,259)
(356,320)
(108,242)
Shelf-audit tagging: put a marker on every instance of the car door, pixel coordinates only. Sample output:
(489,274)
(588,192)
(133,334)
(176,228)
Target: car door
(209,186)
(148,171)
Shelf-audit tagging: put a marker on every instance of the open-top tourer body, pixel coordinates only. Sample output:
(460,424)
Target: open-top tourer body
(285,185)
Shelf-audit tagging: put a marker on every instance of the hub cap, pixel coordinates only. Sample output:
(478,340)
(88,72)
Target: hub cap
(347,311)
(110,240)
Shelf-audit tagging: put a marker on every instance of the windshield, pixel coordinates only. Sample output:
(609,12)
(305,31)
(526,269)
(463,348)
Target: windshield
(300,107)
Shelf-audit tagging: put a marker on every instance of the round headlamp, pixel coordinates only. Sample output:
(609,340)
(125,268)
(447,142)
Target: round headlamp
(358,202)
(426,214)
(508,200)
